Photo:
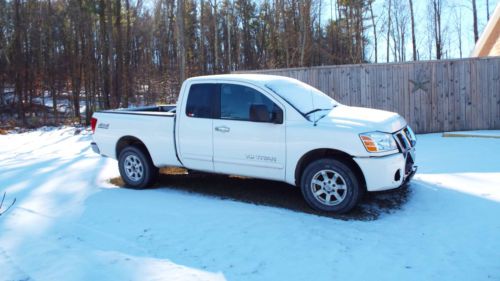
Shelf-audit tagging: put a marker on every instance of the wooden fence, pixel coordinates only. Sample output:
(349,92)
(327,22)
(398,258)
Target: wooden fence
(433,96)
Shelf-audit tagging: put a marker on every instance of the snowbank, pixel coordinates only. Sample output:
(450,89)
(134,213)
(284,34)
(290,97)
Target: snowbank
(70,224)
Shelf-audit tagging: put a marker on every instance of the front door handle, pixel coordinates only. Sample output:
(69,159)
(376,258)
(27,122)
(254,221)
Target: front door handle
(222,129)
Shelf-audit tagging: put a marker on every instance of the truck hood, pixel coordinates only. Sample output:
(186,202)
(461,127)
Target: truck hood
(363,119)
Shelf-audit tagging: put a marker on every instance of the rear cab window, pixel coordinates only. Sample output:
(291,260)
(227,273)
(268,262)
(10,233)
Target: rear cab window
(200,101)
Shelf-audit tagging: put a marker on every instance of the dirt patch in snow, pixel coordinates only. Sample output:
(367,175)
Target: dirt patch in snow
(272,193)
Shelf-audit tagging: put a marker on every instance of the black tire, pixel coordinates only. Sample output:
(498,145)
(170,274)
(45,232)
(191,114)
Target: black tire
(339,184)
(135,159)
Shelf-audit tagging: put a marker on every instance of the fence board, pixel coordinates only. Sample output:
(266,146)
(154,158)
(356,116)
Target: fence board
(433,96)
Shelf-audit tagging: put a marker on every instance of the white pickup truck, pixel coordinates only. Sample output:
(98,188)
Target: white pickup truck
(267,127)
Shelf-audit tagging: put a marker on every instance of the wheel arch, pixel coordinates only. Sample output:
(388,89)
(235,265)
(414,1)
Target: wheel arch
(322,153)
(125,141)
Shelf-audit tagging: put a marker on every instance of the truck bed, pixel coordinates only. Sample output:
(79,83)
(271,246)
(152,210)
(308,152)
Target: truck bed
(152,125)
(164,110)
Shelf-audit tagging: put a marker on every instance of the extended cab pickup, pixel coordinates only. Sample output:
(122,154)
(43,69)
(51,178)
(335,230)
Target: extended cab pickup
(267,127)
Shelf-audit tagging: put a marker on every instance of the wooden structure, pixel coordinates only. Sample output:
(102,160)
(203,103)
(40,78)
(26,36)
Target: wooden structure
(433,96)
(489,42)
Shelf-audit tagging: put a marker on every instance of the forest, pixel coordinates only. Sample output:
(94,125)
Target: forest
(61,60)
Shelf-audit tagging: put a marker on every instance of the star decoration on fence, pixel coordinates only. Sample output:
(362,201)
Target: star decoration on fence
(419,85)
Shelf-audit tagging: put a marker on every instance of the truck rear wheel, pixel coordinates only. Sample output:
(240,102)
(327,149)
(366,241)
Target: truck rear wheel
(136,168)
(331,186)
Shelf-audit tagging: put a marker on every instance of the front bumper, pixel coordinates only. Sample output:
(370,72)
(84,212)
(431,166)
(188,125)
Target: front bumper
(410,175)
(95,148)
(387,172)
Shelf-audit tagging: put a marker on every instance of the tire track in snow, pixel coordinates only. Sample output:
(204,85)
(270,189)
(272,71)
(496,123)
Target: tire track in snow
(69,232)
(16,271)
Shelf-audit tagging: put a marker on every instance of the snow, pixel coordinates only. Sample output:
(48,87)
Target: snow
(69,223)
(63,105)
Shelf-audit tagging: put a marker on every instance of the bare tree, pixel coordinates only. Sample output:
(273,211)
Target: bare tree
(435,12)
(413,40)
(181,48)
(399,30)
(487,10)
(8,206)
(202,36)
(50,56)
(111,53)
(216,34)
(284,28)
(458,28)
(119,53)
(474,20)
(319,32)
(17,44)
(304,15)
(128,47)
(228,23)
(374,25)
(389,23)
(105,53)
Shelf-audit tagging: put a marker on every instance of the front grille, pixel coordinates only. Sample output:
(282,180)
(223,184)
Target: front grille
(404,139)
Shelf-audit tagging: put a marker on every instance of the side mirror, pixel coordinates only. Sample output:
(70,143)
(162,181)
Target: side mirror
(277,116)
(259,113)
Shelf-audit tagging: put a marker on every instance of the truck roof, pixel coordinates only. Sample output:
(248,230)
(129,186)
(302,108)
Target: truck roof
(260,79)
(301,96)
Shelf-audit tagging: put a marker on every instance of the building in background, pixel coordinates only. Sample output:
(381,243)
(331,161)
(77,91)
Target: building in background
(488,44)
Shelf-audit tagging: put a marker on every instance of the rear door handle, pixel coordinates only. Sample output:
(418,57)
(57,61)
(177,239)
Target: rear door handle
(222,129)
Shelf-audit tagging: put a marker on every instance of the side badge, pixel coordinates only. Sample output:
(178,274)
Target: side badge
(103,126)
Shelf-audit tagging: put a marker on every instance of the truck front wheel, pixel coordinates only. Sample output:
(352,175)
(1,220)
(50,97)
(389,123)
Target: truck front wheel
(331,186)
(136,168)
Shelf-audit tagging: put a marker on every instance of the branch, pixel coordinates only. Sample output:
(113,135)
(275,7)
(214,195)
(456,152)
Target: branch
(1,204)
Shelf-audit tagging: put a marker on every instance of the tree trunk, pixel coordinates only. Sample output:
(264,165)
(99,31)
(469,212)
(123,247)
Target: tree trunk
(318,44)
(112,54)
(216,38)
(437,28)
(128,78)
(105,54)
(228,51)
(474,19)
(119,53)
(284,37)
(374,30)
(18,87)
(202,37)
(180,40)
(50,59)
(413,40)
(487,10)
(389,23)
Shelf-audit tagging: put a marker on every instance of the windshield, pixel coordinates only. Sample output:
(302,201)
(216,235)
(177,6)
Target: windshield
(303,97)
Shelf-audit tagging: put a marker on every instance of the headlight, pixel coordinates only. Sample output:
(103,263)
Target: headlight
(378,142)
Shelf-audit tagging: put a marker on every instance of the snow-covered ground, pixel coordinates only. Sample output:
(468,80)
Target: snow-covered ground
(70,224)
(63,105)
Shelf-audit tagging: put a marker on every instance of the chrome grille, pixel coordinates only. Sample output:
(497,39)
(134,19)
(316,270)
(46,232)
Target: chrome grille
(405,139)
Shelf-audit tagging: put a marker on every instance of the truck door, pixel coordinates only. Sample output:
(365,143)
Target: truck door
(245,147)
(195,128)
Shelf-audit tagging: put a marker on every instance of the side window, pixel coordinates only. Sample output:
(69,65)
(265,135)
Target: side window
(200,100)
(235,101)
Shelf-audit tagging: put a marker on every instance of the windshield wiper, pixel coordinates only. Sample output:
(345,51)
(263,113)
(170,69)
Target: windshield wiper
(319,109)
(316,110)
